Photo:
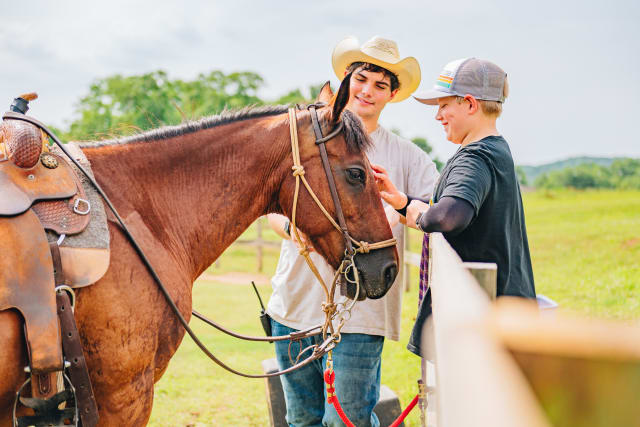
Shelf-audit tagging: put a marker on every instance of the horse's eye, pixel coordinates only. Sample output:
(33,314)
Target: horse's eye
(356,175)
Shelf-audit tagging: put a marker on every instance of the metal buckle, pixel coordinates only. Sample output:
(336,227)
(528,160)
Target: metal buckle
(71,293)
(77,209)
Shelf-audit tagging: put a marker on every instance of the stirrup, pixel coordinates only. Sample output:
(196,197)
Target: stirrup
(47,411)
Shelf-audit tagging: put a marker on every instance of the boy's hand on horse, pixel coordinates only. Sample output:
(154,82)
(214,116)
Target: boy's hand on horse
(388,190)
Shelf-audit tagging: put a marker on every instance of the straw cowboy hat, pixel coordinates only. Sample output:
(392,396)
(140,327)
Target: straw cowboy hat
(381,52)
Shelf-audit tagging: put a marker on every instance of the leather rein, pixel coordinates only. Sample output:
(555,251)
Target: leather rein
(331,335)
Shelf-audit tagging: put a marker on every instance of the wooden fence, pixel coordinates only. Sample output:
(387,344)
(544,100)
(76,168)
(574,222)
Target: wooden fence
(507,363)
(510,364)
(259,243)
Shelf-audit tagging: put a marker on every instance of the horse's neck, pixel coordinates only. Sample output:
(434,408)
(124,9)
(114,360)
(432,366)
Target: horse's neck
(197,192)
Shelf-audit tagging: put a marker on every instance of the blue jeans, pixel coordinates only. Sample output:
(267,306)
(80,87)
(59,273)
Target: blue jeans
(356,362)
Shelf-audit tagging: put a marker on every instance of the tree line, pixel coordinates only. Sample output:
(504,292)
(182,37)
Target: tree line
(622,174)
(123,105)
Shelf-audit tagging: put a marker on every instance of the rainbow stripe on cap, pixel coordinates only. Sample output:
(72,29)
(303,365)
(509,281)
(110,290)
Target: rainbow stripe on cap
(444,81)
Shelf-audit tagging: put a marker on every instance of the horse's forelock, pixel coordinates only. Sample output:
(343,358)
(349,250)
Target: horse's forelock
(355,134)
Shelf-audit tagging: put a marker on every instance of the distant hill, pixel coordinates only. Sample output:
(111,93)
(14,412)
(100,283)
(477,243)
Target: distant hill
(532,172)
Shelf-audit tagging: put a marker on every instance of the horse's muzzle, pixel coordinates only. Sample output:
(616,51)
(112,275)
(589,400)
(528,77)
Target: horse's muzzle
(377,271)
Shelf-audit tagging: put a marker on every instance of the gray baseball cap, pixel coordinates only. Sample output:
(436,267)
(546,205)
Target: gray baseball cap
(467,76)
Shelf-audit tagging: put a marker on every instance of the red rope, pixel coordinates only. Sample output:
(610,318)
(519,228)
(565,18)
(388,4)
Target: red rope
(406,411)
(332,398)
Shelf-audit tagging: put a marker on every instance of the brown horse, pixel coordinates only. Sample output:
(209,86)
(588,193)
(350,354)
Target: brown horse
(187,192)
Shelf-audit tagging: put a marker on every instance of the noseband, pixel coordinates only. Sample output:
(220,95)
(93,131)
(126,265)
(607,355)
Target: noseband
(347,265)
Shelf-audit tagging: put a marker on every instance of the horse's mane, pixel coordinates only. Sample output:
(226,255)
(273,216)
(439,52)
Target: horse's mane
(354,134)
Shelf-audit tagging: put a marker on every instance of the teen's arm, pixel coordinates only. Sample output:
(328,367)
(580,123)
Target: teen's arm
(450,215)
(278,224)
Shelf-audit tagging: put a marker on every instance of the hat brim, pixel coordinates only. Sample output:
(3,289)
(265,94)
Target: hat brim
(408,70)
(430,97)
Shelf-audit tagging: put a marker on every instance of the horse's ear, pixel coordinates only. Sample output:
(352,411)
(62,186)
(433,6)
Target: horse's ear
(325,94)
(341,99)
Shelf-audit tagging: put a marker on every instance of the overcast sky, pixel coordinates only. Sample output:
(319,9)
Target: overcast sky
(573,66)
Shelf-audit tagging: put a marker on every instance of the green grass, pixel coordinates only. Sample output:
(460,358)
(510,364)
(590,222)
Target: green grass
(585,249)
(196,392)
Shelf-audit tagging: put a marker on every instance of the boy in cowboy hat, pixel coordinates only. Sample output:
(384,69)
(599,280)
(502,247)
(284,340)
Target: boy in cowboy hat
(477,203)
(377,76)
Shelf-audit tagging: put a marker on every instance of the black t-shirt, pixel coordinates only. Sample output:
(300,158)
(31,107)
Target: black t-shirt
(483,174)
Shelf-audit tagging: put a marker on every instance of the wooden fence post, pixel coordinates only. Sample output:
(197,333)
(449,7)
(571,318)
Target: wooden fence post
(486,274)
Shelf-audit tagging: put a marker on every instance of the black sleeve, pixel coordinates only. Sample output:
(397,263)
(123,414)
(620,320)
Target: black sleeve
(450,215)
(403,211)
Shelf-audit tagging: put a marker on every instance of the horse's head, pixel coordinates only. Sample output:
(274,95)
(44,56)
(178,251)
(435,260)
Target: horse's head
(358,195)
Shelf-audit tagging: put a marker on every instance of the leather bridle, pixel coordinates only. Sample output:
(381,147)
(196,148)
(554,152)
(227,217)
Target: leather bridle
(347,265)
(331,335)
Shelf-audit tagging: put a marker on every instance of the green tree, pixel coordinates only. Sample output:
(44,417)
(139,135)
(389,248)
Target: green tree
(122,105)
(427,148)
(422,143)
(297,97)
(587,175)
(625,173)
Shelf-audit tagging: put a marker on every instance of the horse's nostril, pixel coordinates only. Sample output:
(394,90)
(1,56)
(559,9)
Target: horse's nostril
(389,274)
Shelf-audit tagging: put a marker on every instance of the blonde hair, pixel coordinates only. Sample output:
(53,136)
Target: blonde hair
(491,108)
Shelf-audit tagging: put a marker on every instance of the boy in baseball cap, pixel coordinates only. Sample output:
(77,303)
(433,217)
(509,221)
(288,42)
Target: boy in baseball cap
(477,203)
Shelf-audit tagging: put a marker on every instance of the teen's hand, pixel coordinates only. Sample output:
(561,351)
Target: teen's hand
(413,210)
(388,191)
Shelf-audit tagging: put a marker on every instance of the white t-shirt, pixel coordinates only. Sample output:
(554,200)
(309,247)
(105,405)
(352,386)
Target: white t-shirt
(297,295)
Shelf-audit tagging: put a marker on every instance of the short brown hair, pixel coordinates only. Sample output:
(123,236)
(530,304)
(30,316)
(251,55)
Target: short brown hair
(367,66)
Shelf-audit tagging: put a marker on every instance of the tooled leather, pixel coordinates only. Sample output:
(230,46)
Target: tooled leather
(58,215)
(20,187)
(23,142)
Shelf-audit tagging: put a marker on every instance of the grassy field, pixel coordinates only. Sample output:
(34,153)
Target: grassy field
(585,248)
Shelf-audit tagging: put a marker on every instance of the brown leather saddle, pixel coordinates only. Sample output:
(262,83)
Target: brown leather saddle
(41,197)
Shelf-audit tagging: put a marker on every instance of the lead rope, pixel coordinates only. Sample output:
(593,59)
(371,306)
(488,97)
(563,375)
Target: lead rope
(332,398)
